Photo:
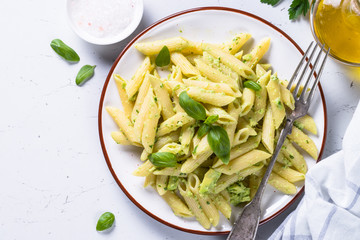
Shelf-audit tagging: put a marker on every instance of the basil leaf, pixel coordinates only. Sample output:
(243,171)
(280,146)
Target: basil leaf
(252,85)
(64,50)
(192,107)
(105,221)
(211,119)
(163,159)
(163,58)
(84,74)
(204,129)
(219,142)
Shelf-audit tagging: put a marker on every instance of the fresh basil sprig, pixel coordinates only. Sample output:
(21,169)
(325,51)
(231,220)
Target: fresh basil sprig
(163,159)
(84,74)
(105,221)
(163,58)
(192,107)
(252,85)
(217,137)
(219,142)
(64,50)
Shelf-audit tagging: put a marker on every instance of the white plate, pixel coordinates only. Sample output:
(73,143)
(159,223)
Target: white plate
(215,25)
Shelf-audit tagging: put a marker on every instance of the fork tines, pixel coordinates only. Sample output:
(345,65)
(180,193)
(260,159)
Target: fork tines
(313,77)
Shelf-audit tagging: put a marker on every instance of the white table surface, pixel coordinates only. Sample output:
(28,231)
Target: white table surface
(54,182)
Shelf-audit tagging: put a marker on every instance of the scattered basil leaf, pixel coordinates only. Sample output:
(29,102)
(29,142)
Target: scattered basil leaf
(84,74)
(203,129)
(192,107)
(252,85)
(64,50)
(163,159)
(163,58)
(219,142)
(105,221)
(211,119)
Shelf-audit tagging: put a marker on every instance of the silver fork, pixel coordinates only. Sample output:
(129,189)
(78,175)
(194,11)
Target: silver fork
(247,222)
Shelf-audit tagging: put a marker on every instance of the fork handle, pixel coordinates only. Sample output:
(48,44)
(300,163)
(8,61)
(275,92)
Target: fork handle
(247,222)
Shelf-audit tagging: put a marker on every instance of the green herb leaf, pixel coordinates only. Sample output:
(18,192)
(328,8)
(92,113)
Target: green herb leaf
(163,58)
(192,107)
(219,142)
(211,119)
(252,85)
(297,8)
(204,129)
(84,74)
(163,159)
(105,221)
(270,2)
(64,50)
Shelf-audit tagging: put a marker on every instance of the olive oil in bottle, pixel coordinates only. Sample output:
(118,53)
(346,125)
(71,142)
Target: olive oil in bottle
(337,24)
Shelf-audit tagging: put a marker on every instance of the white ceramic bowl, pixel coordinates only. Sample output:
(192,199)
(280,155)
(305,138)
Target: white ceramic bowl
(116,36)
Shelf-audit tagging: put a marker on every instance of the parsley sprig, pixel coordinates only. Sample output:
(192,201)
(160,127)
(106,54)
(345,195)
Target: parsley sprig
(296,8)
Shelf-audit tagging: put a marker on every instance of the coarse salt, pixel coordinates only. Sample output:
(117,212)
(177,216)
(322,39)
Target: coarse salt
(102,18)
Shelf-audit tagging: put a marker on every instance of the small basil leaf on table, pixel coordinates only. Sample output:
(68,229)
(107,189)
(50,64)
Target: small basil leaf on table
(219,142)
(84,74)
(211,119)
(64,50)
(163,159)
(163,58)
(192,107)
(203,129)
(105,221)
(252,85)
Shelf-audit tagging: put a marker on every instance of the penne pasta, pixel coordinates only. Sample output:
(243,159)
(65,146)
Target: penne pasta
(162,96)
(178,207)
(257,52)
(120,138)
(126,103)
(235,44)
(173,123)
(244,161)
(277,106)
(208,96)
(123,123)
(140,99)
(150,126)
(230,61)
(304,142)
(132,87)
(186,67)
(194,205)
(152,48)
(213,74)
